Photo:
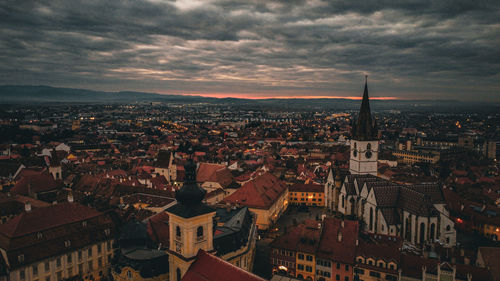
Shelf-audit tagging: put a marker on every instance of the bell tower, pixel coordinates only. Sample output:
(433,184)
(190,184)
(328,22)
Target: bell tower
(190,225)
(364,142)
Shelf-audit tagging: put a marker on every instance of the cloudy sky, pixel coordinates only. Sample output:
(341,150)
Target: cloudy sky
(410,49)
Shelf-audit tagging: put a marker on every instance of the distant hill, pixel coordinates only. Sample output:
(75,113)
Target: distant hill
(13,94)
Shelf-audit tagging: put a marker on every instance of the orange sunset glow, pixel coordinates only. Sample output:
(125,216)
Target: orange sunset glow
(253,97)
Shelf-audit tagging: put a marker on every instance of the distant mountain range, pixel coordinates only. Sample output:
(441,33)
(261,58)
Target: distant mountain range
(14,94)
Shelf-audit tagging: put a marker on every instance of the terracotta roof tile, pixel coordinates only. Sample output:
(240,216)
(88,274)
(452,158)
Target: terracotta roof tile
(207,267)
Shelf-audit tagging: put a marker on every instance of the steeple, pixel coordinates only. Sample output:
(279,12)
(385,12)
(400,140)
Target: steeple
(190,196)
(364,127)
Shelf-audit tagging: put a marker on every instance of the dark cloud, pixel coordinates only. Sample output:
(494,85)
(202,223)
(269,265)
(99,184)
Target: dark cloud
(410,49)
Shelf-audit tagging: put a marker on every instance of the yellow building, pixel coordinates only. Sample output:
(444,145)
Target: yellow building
(265,195)
(307,194)
(412,157)
(305,265)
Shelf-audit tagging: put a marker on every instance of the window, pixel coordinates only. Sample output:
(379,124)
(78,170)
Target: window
(337,277)
(300,266)
(107,232)
(338,265)
(370,262)
(91,266)
(47,266)
(391,277)
(360,260)
(99,249)
(69,259)
(346,278)
(22,274)
(309,258)
(80,255)
(178,232)
(35,270)
(178,273)
(99,262)
(129,274)
(39,235)
(20,258)
(199,233)
(309,268)
(391,266)
(375,274)
(369,146)
(346,267)
(80,268)
(90,252)
(84,223)
(300,256)
(59,275)
(58,262)
(108,245)
(359,271)
(67,243)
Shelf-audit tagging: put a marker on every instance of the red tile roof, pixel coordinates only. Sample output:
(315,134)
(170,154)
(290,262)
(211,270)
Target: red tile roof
(45,218)
(300,187)
(261,192)
(158,229)
(304,237)
(207,267)
(209,172)
(330,247)
(36,183)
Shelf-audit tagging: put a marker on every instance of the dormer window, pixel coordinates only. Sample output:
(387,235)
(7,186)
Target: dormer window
(84,223)
(107,232)
(67,243)
(20,258)
(39,235)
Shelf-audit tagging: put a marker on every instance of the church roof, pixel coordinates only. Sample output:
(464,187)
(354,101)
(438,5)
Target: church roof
(208,267)
(190,196)
(364,127)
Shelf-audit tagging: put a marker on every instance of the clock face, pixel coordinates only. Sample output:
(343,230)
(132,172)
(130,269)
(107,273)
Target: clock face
(368,154)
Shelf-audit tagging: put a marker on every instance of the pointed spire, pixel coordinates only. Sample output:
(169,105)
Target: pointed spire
(364,128)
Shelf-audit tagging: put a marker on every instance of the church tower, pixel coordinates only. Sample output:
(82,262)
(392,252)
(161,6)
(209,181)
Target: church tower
(364,143)
(191,224)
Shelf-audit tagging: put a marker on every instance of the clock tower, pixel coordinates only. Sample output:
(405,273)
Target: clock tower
(364,142)
(191,225)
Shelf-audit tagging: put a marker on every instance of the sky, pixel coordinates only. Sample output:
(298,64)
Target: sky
(410,49)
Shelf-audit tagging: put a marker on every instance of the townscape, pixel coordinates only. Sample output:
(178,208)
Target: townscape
(216,191)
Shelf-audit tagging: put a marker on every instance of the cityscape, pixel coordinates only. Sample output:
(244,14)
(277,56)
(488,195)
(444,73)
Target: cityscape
(249,141)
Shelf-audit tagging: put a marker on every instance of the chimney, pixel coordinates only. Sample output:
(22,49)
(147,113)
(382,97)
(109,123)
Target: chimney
(27,206)
(357,242)
(70,197)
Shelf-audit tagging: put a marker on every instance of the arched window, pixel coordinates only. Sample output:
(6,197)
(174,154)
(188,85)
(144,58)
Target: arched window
(433,230)
(371,219)
(422,233)
(355,146)
(368,146)
(178,273)
(178,232)
(407,229)
(199,232)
